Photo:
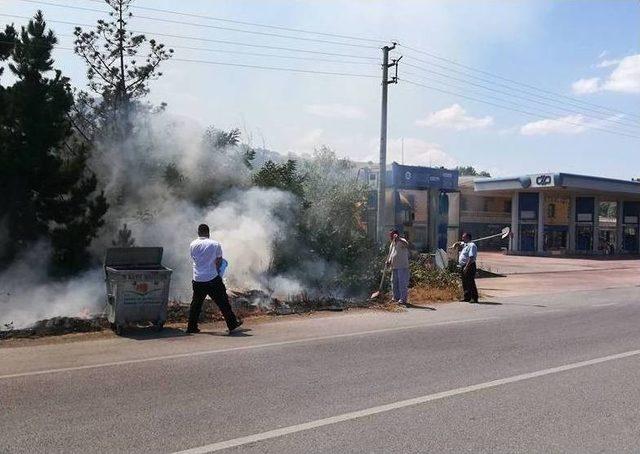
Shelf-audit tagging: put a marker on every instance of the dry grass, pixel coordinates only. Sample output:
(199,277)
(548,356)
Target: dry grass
(386,305)
(418,295)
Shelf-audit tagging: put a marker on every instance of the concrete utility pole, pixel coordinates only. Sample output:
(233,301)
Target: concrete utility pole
(382,177)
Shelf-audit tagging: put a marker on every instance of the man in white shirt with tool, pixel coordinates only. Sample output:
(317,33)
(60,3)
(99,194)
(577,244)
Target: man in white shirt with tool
(206,255)
(467,265)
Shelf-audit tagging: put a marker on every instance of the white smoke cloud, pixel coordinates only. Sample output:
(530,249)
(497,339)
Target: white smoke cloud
(29,295)
(246,220)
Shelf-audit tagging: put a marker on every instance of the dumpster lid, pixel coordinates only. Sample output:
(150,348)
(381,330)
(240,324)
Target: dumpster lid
(133,256)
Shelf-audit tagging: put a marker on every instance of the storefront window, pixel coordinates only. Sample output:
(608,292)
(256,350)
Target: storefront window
(556,222)
(630,238)
(555,238)
(528,237)
(584,238)
(607,241)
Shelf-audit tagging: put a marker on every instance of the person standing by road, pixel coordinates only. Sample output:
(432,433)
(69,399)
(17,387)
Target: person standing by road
(467,264)
(399,263)
(206,255)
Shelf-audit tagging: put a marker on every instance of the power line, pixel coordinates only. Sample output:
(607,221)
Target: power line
(217,27)
(272,68)
(529,92)
(256,54)
(506,79)
(525,112)
(517,95)
(209,40)
(254,24)
(509,102)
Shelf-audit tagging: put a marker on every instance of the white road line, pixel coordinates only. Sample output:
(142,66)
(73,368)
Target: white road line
(604,304)
(397,405)
(234,349)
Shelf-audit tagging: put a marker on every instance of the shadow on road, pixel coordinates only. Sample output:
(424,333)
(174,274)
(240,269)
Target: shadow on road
(150,333)
(488,303)
(244,332)
(413,306)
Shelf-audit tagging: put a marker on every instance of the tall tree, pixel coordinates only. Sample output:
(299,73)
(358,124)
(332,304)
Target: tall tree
(46,190)
(114,73)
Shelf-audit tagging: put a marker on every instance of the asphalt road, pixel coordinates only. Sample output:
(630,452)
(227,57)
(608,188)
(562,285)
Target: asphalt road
(528,374)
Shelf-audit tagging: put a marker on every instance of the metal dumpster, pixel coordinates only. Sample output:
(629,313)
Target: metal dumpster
(137,286)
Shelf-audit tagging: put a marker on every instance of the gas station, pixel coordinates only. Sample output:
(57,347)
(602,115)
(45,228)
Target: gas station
(563,213)
(549,213)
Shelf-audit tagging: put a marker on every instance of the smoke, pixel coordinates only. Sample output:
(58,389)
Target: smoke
(206,183)
(28,295)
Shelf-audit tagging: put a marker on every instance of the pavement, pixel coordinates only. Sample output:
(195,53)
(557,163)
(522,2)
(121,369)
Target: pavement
(536,372)
(522,275)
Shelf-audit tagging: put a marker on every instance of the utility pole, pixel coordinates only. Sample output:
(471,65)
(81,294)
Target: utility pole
(382,177)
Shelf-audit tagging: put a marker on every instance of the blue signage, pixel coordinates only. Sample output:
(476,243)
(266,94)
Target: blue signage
(413,177)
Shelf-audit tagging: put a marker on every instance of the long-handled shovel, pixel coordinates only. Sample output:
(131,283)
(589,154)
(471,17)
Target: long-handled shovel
(374,295)
(503,234)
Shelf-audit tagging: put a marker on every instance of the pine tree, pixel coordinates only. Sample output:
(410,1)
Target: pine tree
(46,190)
(114,70)
(124,238)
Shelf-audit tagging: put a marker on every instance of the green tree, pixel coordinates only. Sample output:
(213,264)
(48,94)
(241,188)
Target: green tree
(46,189)
(328,247)
(281,176)
(120,66)
(472,172)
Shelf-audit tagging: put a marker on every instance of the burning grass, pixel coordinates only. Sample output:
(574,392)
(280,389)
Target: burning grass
(428,285)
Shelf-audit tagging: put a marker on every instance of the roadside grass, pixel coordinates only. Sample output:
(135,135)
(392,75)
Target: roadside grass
(418,295)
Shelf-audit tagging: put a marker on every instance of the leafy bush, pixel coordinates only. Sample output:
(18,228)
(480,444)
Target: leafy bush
(328,248)
(426,275)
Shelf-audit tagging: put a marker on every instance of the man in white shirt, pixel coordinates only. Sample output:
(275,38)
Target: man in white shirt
(206,255)
(399,263)
(467,264)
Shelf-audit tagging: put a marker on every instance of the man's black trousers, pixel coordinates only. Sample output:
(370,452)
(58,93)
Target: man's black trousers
(468,275)
(216,290)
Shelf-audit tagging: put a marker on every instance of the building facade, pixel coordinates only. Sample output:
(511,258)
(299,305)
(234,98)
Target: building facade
(417,203)
(562,213)
(549,214)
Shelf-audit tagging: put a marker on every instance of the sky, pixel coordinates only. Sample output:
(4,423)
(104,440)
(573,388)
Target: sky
(578,52)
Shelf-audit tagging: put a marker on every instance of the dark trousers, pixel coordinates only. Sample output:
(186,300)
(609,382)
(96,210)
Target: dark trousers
(469,282)
(218,293)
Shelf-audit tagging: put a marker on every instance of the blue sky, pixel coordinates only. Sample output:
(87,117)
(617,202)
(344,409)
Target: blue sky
(588,50)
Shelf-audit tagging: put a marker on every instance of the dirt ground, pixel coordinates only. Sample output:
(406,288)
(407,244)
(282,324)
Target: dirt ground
(543,275)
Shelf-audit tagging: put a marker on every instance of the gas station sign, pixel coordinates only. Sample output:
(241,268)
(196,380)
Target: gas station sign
(542,180)
(413,177)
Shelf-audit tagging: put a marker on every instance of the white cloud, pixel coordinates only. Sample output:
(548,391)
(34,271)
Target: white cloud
(419,152)
(455,117)
(607,63)
(586,86)
(335,111)
(571,124)
(626,77)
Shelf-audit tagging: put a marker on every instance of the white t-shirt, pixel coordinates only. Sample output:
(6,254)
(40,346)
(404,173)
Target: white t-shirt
(469,250)
(204,252)
(399,255)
